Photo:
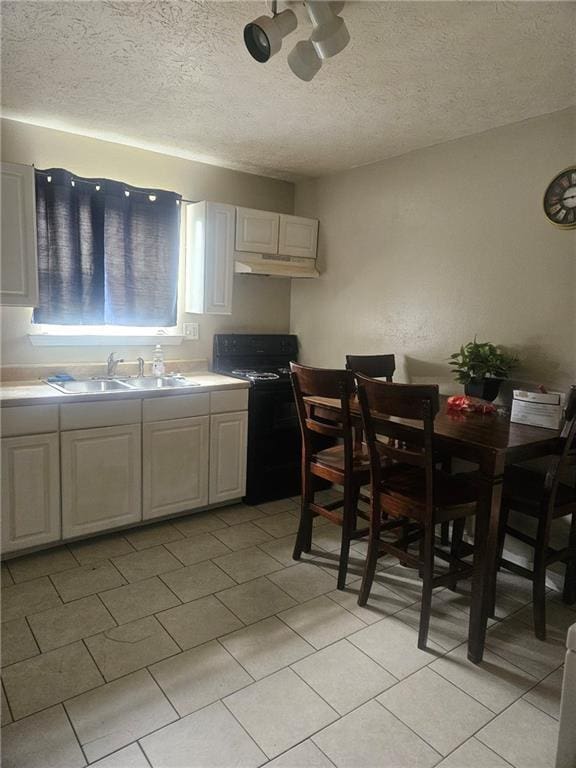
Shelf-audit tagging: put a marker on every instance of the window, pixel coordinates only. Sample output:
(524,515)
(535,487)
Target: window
(107,255)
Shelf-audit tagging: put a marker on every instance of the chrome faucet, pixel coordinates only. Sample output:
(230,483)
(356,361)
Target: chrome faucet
(112,365)
(140,361)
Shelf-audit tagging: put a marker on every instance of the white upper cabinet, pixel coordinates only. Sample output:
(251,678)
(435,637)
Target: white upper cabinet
(19,266)
(270,233)
(256,231)
(209,258)
(298,236)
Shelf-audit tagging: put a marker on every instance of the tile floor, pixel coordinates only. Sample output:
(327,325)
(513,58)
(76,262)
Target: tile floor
(199,643)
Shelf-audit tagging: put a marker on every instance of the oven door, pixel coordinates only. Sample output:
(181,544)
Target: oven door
(274,445)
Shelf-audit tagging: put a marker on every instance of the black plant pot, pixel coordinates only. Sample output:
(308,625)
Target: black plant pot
(485,389)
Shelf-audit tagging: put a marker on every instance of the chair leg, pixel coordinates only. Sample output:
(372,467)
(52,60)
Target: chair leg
(369,569)
(446,467)
(405,529)
(457,537)
(422,553)
(304,536)
(539,580)
(351,495)
(569,592)
(444,534)
(428,572)
(502,532)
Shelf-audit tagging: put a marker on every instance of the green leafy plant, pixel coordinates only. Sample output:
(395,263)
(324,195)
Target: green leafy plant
(481,360)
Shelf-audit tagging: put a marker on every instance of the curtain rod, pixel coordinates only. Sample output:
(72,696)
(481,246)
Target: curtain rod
(95,183)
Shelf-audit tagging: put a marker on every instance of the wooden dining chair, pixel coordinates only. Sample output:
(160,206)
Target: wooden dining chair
(409,487)
(383,367)
(544,498)
(375,366)
(345,464)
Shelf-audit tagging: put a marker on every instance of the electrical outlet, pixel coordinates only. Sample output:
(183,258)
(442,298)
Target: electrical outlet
(192,331)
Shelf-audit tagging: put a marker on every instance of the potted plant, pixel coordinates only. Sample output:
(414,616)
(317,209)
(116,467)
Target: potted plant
(481,367)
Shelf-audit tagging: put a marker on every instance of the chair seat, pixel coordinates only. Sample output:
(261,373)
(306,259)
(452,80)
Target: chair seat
(524,489)
(403,492)
(333,458)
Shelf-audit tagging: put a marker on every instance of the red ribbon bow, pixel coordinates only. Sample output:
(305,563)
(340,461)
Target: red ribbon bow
(465,404)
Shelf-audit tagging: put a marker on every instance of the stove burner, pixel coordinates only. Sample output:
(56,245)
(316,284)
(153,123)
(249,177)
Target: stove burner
(284,371)
(263,376)
(256,375)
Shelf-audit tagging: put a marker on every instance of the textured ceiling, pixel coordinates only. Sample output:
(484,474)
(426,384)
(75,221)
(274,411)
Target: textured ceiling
(175,76)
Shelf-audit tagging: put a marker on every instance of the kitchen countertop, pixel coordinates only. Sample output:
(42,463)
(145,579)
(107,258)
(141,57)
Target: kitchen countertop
(38,393)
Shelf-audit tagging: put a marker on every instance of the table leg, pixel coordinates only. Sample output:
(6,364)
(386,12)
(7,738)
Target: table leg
(485,554)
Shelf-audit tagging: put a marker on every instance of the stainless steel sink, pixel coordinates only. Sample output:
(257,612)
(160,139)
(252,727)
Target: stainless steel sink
(96,386)
(160,382)
(92,386)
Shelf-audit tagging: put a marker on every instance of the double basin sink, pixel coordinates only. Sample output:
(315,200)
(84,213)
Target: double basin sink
(97,386)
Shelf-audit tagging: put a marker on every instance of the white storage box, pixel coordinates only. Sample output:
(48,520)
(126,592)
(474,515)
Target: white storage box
(538,409)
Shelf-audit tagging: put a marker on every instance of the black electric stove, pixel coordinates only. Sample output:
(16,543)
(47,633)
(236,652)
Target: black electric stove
(274,445)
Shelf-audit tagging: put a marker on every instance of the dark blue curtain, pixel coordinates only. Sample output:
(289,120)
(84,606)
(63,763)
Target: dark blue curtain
(107,252)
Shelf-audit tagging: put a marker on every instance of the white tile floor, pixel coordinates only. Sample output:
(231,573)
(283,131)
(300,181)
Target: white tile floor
(199,643)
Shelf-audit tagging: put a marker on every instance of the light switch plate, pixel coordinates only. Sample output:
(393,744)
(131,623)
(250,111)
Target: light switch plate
(191,331)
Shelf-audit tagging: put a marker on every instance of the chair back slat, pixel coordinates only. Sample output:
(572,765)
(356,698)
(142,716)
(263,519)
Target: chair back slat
(324,428)
(375,366)
(405,401)
(329,383)
(402,455)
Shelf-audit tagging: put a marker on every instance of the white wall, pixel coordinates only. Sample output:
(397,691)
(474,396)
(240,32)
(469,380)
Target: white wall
(421,252)
(259,303)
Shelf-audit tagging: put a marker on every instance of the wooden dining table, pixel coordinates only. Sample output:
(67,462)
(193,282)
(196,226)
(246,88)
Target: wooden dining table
(490,441)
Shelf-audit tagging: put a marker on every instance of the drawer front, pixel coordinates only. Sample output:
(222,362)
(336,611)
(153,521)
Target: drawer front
(29,420)
(88,415)
(229,400)
(176,407)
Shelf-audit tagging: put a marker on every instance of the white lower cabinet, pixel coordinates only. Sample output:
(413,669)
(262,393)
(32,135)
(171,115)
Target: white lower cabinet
(101,479)
(179,453)
(30,491)
(175,466)
(228,444)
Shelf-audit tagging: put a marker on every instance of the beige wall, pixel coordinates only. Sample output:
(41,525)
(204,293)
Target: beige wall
(423,251)
(259,303)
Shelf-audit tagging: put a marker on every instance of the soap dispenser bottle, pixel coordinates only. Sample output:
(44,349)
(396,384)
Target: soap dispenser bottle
(158,361)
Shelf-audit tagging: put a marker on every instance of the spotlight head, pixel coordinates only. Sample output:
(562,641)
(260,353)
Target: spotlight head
(304,61)
(263,36)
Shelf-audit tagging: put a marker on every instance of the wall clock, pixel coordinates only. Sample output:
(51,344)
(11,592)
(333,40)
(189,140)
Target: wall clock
(560,199)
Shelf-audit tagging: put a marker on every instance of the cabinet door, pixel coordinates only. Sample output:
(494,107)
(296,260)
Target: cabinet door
(228,433)
(175,466)
(298,236)
(19,267)
(256,231)
(101,476)
(30,491)
(219,259)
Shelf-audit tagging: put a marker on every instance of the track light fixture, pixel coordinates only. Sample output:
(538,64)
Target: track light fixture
(263,37)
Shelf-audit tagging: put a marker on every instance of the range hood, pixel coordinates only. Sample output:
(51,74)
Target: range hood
(254,264)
